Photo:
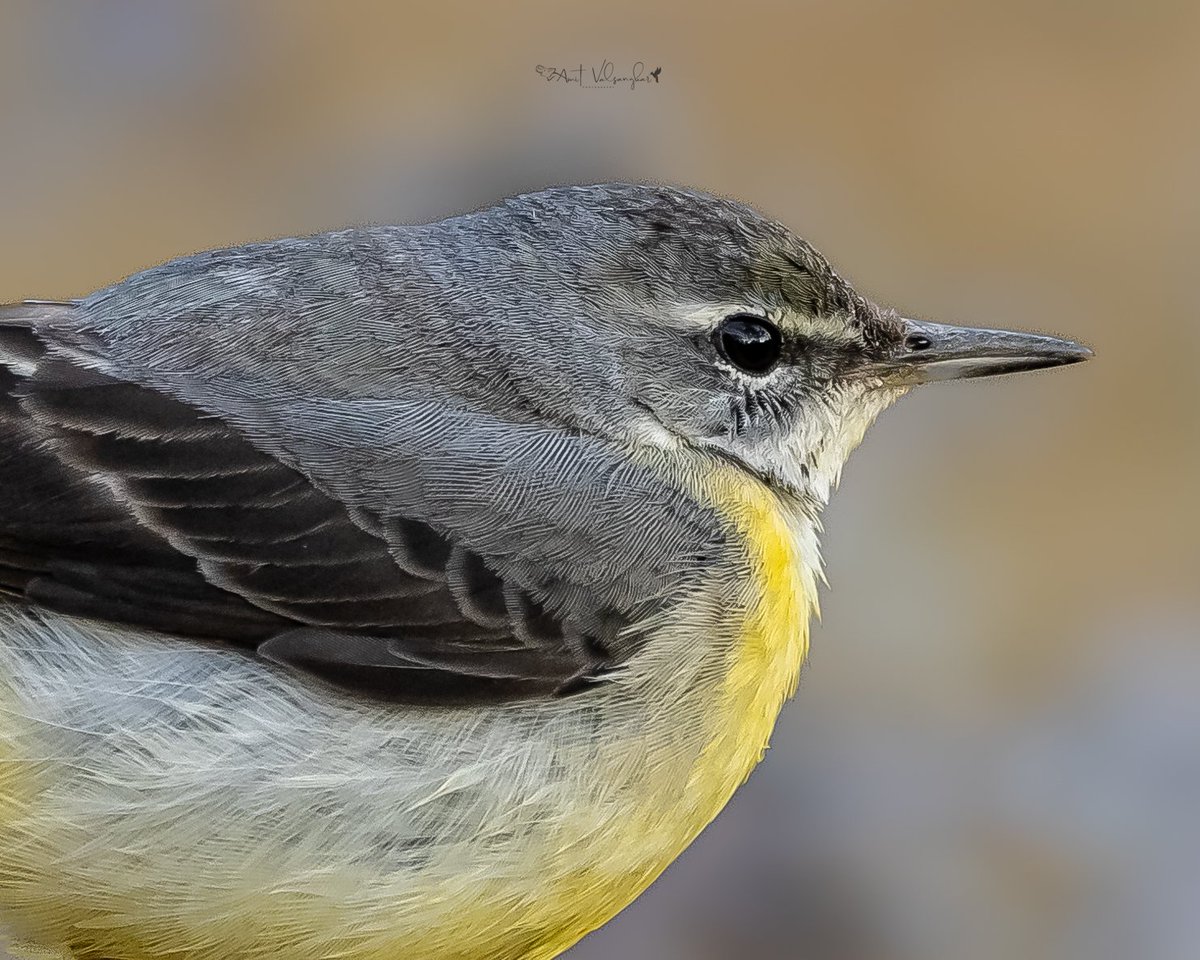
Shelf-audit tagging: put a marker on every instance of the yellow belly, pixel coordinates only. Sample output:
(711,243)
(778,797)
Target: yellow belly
(608,847)
(765,664)
(770,619)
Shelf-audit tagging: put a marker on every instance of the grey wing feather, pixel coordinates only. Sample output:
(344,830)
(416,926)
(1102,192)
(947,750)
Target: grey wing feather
(328,535)
(151,514)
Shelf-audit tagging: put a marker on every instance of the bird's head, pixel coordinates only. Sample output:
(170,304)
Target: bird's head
(723,330)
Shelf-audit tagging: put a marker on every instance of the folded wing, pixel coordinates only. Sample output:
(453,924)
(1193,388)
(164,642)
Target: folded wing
(123,503)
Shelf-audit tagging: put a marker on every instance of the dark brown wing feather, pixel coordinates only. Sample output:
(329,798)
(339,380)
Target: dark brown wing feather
(122,504)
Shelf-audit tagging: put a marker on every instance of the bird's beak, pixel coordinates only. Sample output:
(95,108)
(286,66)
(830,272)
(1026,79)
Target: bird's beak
(937,351)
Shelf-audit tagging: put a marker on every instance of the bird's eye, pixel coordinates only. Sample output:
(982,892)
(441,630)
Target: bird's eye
(750,343)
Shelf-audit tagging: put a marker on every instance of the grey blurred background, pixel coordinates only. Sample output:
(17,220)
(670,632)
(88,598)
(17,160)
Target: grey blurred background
(995,751)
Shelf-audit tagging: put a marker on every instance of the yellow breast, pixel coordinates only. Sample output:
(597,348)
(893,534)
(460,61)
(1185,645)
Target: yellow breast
(764,665)
(762,634)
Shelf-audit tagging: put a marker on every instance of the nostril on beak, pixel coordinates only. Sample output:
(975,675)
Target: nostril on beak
(918,342)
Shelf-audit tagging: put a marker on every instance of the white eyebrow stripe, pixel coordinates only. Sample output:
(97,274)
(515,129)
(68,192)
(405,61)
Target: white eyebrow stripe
(705,316)
(834,328)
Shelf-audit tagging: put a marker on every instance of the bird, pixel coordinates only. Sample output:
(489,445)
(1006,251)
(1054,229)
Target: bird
(424,590)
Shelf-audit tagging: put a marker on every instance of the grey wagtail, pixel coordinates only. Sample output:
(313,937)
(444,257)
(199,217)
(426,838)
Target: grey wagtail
(418,591)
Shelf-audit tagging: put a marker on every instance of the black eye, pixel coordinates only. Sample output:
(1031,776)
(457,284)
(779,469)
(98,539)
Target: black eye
(750,343)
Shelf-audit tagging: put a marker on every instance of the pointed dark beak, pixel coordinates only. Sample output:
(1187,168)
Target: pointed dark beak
(937,351)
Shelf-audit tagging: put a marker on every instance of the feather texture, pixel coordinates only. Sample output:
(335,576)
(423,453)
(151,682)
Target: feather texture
(123,503)
(494,458)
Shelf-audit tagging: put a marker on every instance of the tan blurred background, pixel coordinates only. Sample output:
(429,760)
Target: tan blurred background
(996,748)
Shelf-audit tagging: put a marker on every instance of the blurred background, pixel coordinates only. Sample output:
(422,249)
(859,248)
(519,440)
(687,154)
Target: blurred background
(995,751)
